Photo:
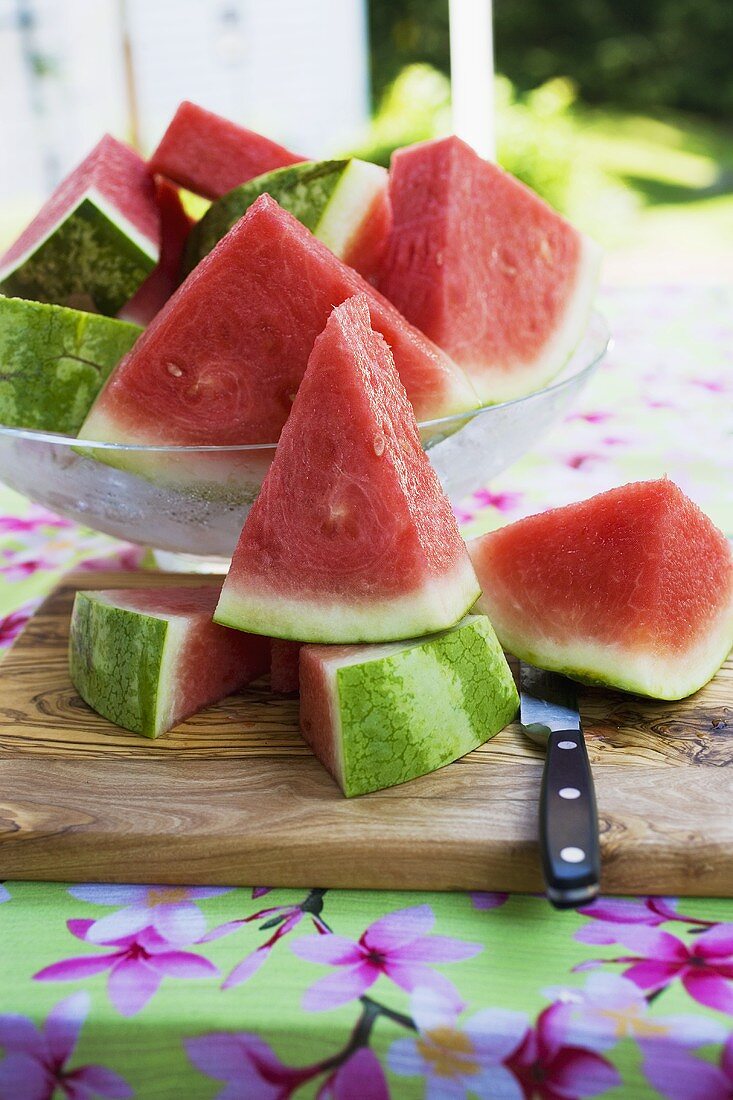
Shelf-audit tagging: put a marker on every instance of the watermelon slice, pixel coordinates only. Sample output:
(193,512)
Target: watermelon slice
(351,538)
(485,268)
(210,155)
(149,658)
(175,225)
(376,716)
(284,666)
(96,239)
(54,361)
(222,361)
(632,588)
(343,202)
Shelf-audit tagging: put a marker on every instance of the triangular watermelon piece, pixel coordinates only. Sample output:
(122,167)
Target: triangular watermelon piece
(210,155)
(632,588)
(351,538)
(222,361)
(486,268)
(175,225)
(96,239)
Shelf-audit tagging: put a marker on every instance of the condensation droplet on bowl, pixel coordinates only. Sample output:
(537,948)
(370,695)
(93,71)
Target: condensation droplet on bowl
(379,444)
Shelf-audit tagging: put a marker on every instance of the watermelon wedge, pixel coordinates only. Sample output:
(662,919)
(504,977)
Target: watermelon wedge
(210,155)
(96,239)
(351,538)
(222,361)
(284,662)
(632,588)
(149,658)
(485,268)
(175,225)
(343,202)
(376,716)
(54,361)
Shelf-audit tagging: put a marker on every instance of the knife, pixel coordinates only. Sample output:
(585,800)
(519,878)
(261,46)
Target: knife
(569,843)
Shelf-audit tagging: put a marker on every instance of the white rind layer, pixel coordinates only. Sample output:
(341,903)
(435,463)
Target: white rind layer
(359,187)
(436,605)
(640,671)
(494,384)
(145,244)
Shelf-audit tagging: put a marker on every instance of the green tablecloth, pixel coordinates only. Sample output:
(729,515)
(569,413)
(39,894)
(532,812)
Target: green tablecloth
(164,992)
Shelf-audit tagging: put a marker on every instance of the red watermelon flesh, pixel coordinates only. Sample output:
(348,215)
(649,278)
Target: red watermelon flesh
(485,268)
(351,538)
(284,666)
(632,588)
(210,155)
(222,361)
(175,225)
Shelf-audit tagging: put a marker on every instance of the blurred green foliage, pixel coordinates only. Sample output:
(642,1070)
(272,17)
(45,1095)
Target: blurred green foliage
(639,54)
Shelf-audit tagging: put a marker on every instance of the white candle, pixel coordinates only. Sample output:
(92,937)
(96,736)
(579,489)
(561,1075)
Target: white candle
(472,74)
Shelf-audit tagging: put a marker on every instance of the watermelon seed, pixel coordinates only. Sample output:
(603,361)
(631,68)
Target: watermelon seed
(175,370)
(379,444)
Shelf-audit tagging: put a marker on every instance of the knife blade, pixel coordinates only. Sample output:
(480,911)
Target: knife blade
(568,823)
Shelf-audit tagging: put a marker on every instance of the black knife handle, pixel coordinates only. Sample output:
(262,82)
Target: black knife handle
(570,848)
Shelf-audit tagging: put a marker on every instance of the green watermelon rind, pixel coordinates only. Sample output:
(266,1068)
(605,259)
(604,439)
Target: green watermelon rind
(329,197)
(54,361)
(439,603)
(629,669)
(123,663)
(92,258)
(405,710)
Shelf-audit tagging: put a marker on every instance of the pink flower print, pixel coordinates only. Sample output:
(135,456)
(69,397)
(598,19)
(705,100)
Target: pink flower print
(171,910)
(611,1008)
(480,899)
(712,385)
(128,558)
(610,913)
(247,1064)
(137,964)
(4,893)
(11,626)
(37,519)
(548,1067)
(36,1062)
(502,501)
(283,918)
(580,461)
(677,1075)
(456,1058)
(20,570)
(398,946)
(463,517)
(591,417)
(705,966)
(260,891)
(360,1076)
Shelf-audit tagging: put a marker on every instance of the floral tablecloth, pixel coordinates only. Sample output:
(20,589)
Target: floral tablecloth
(262,993)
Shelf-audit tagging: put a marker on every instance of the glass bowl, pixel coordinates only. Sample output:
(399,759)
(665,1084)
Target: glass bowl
(195,527)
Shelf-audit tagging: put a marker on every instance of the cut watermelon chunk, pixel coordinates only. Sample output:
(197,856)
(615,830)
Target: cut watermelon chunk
(376,716)
(222,361)
(632,588)
(351,538)
(96,239)
(210,155)
(485,268)
(175,225)
(148,658)
(54,361)
(284,662)
(343,202)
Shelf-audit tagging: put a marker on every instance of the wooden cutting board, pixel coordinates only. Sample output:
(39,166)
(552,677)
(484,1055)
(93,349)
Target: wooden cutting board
(235,797)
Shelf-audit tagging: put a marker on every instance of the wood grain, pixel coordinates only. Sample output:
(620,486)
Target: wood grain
(234,795)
